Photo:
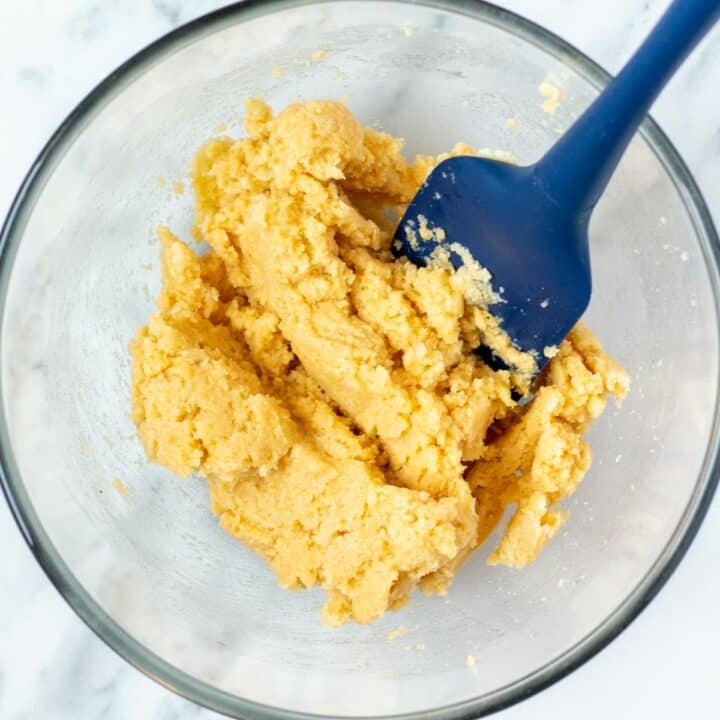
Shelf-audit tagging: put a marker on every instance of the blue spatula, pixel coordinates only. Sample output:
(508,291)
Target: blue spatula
(529,225)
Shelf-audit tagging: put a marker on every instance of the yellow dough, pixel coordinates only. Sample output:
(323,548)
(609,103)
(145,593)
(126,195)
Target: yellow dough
(330,394)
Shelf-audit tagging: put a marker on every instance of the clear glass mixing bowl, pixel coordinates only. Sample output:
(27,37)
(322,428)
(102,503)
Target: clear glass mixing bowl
(148,568)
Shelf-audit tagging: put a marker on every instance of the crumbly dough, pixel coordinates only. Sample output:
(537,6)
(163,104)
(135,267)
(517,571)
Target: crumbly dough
(552,95)
(330,394)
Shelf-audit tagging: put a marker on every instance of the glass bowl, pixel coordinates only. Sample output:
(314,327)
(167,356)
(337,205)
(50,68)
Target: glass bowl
(137,553)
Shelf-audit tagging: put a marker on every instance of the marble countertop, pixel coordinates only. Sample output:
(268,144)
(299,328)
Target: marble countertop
(663,666)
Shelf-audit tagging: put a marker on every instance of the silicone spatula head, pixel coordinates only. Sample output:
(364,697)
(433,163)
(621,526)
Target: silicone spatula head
(535,252)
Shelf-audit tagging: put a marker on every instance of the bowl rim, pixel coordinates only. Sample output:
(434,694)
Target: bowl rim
(99,621)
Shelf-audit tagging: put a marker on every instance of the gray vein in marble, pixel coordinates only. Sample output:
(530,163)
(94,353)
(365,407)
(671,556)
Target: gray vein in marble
(169,9)
(87,23)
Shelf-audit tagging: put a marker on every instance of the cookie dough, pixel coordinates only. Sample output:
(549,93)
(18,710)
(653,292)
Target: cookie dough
(329,394)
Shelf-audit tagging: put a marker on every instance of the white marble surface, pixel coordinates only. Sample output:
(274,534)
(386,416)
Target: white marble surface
(663,666)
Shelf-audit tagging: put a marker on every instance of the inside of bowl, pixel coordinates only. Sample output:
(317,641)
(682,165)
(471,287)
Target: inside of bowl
(144,544)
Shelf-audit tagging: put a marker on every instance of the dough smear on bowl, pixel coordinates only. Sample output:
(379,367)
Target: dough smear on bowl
(329,393)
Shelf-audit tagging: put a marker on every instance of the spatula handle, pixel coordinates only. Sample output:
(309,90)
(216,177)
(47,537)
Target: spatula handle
(576,170)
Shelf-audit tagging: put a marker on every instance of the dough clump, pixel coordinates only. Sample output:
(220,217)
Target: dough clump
(329,393)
